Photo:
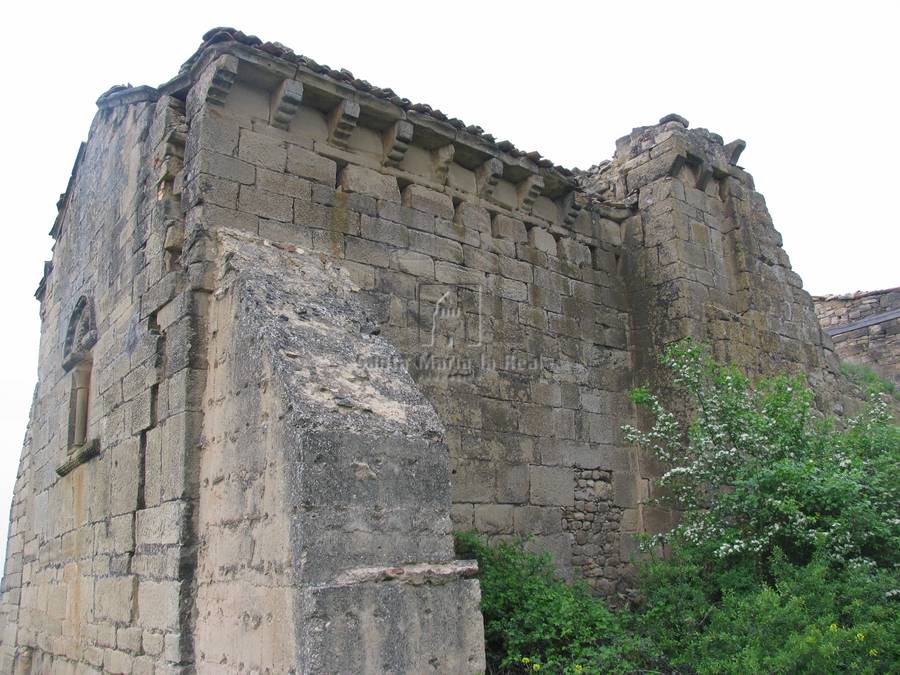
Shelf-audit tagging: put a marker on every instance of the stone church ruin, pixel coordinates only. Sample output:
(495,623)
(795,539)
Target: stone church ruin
(297,329)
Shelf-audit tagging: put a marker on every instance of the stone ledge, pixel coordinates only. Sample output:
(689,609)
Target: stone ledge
(416,574)
(127,95)
(79,457)
(872,320)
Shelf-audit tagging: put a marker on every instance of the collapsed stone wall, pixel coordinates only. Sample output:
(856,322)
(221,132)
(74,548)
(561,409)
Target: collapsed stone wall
(330,325)
(865,328)
(705,260)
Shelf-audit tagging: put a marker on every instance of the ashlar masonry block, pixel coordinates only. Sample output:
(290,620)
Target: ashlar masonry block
(369,182)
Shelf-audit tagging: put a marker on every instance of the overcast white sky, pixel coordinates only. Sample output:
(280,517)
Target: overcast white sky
(812,88)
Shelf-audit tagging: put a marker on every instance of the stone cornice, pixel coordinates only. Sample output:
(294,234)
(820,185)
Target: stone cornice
(228,56)
(323,92)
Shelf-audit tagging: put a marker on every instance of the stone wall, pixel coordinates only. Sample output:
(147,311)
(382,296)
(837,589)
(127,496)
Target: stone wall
(511,320)
(865,328)
(331,325)
(244,578)
(93,569)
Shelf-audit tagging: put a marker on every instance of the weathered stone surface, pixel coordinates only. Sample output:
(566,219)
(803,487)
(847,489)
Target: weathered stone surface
(509,228)
(115,598)
(259,150)
(160,525)
(438,247)
(551,486)
(494,518)
(307,164)
(373,491)
(542,240)
(384,616)
(158,604)
(429,201)
(368,182)
(414,263)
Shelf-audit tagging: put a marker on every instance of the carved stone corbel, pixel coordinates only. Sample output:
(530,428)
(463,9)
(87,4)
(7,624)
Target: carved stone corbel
(569,208)
(677,160)
(397,139)
(342,121)
(222,74)
(285,101)
(528,191)
(175,141)
(174,240)
(441,159)
(734,149)
(486,177)
(704,173)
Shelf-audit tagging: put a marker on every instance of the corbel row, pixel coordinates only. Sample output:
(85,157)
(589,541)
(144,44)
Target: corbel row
(170,152)
(397,136)
(704,169)
(342,121)
(528,191)
(441,159)
(487,176)
(285,101)
(569,208)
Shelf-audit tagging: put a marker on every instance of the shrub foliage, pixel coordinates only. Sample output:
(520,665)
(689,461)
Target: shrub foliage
(868,380)
(534,621)
(785,559)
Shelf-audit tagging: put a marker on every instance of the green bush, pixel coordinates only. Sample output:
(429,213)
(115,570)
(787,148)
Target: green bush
(753,473)
(868,380)
(786,556)
(725,618)
(533,621)
(785,559)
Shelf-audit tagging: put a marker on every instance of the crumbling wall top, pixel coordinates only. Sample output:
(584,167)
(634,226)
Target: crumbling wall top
(664,149)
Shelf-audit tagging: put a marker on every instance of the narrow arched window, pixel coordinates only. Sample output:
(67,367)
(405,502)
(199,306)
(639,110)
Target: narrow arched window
(79,402)
(81,335)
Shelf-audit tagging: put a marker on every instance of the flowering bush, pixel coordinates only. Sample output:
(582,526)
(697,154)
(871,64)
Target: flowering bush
(786,556)
(753,473)
(785,559)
